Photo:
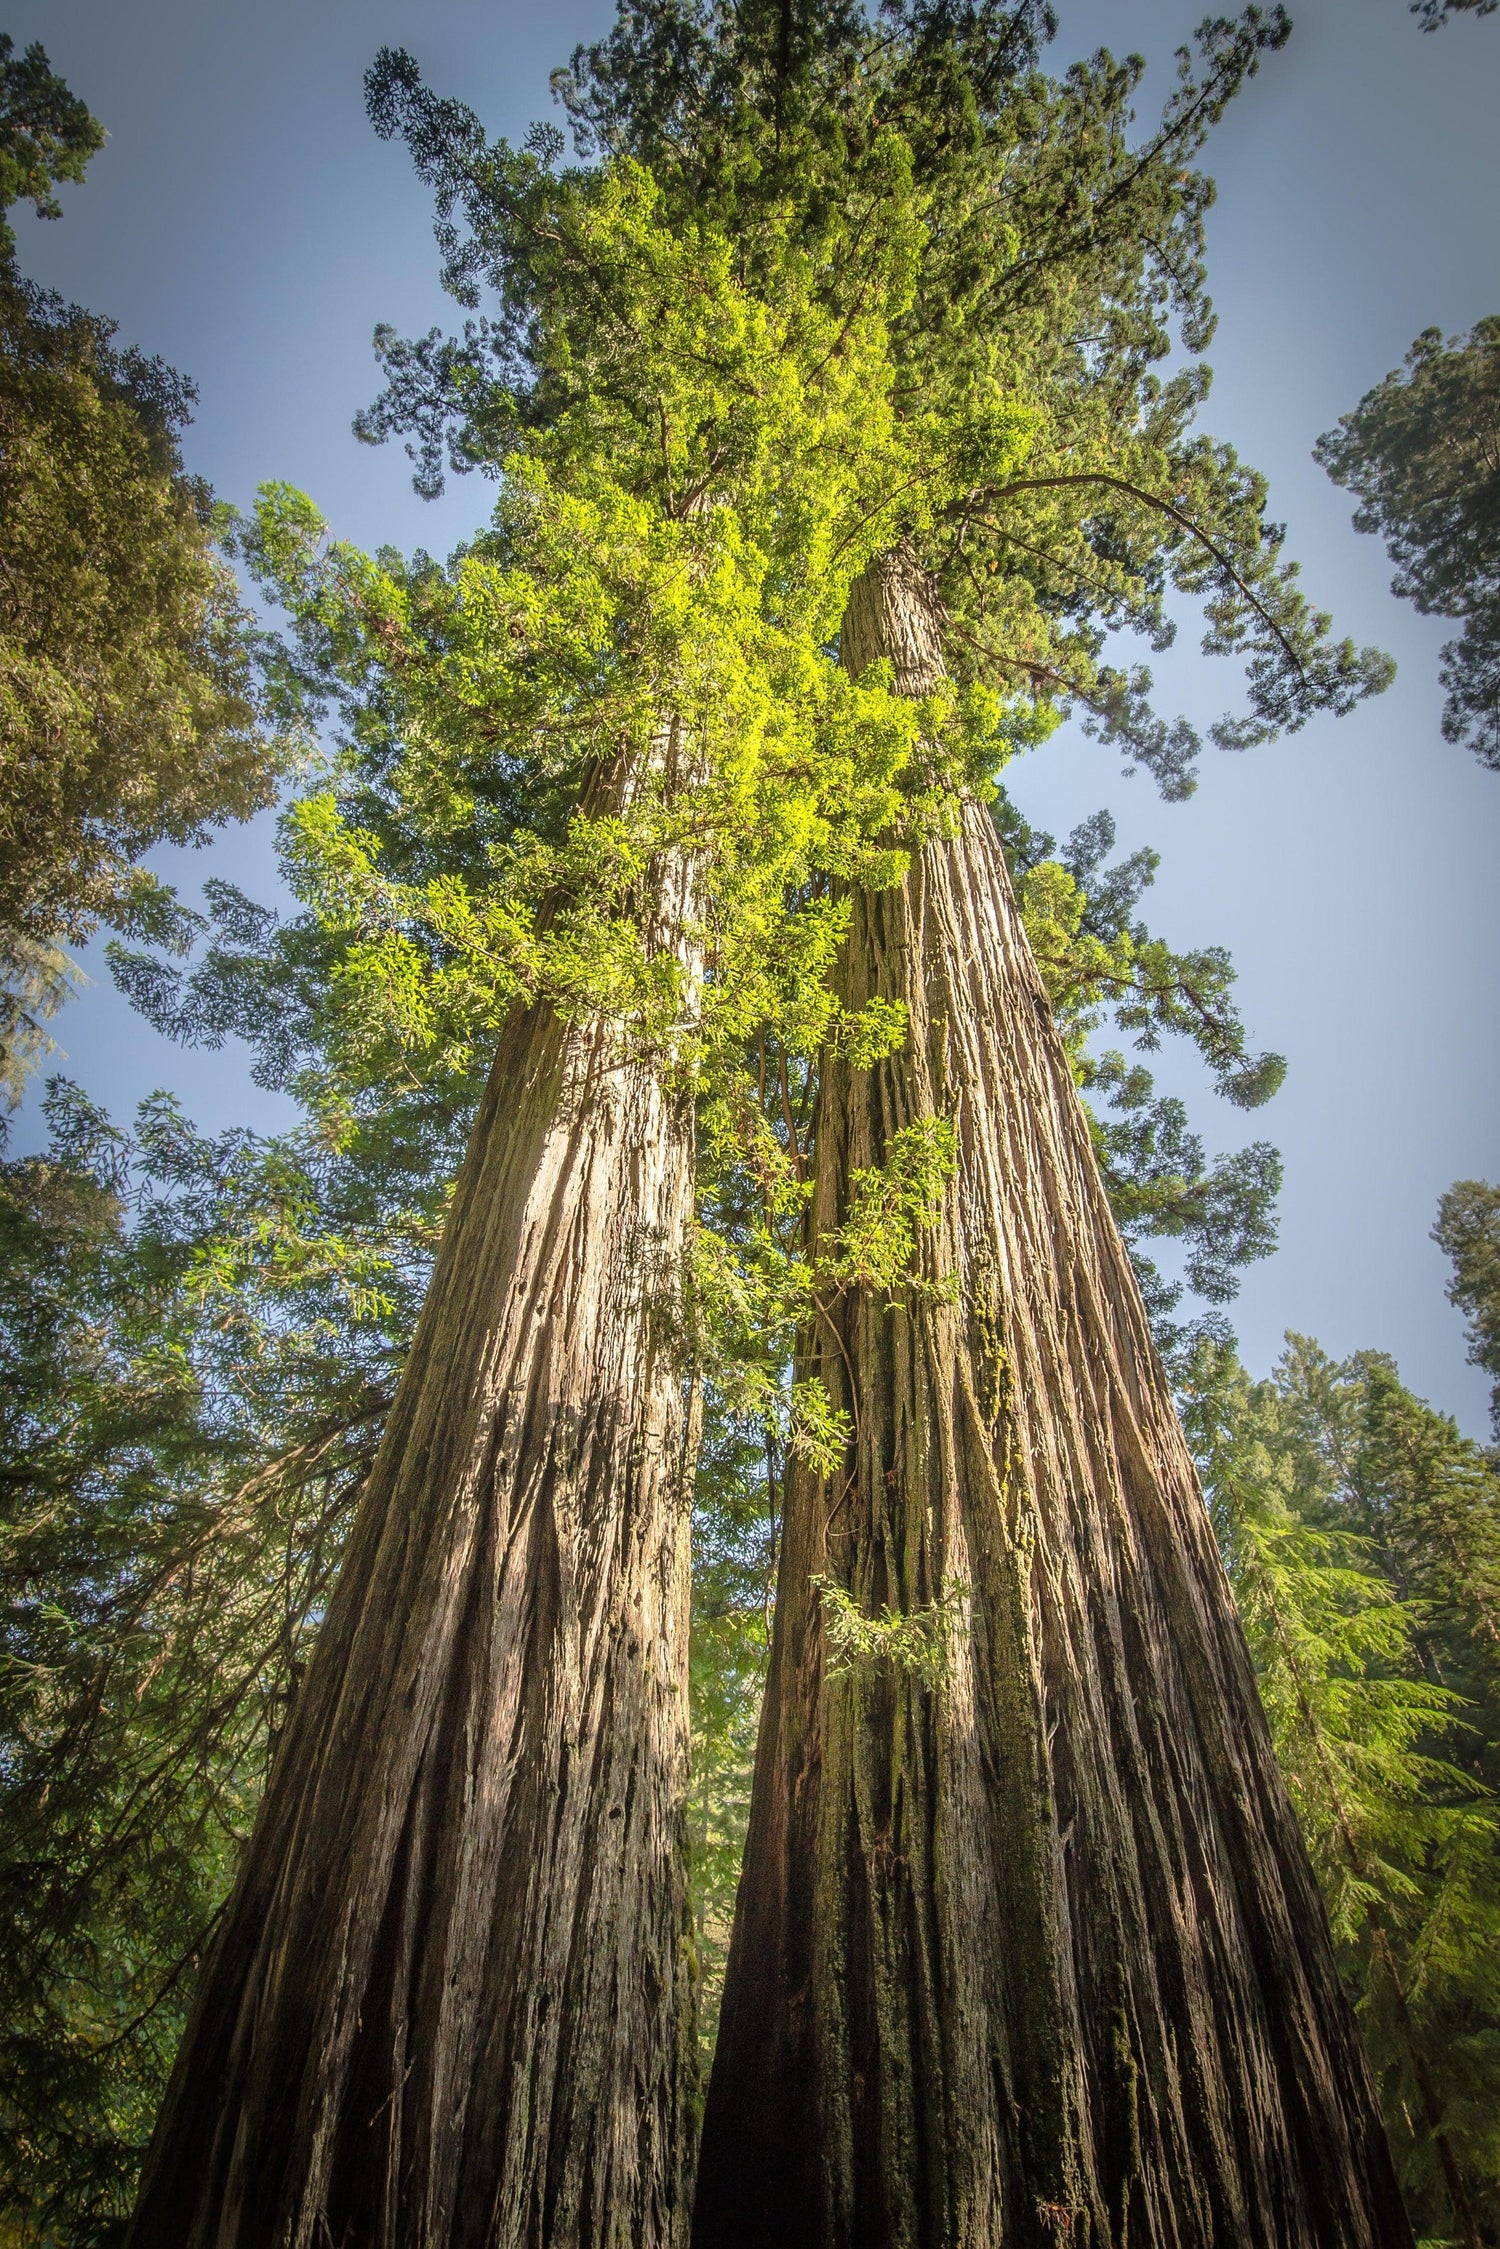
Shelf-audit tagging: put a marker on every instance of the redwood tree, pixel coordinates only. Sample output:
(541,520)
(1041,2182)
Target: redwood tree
(447,2002)
(1027,1944)
(451,1997)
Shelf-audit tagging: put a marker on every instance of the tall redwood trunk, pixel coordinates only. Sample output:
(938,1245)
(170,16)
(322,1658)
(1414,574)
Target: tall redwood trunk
(448,2007)
(1033,1955)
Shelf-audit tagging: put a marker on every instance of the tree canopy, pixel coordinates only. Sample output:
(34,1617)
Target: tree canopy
(46,135)
(1433,14)
(769,126)
(1468,1231)
(130,711)
(1422,452)
(1362,1534)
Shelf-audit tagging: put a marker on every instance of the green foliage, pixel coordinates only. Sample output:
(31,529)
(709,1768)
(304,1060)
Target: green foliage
(1362,1535)
(1335,1653)
(1058,259)
(1433,14)
(1422,452)
(915,1640)
(129,705)
(1100,963)
(1092,957)
(731,381)
(891,1206)
(1057,256)
(36,979)
(1431,1501)
(646,627)
(198,1340)
(1468,1231)
(46,135)
(632,670)
(129,711)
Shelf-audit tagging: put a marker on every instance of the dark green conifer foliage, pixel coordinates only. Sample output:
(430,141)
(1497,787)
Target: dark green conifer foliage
(1468,1230)
(1422,452)
(46,135)
(1362,1535)
(198,1340)
(1429,1501)
(1433,14)
(129,706)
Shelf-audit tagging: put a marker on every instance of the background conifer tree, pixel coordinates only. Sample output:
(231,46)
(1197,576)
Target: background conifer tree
(1362,1537)
(130,710)
(1468,1229)
(199,1341)
(1422,452)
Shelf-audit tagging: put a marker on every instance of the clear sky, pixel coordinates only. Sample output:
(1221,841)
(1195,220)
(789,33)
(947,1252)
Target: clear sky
(244,222)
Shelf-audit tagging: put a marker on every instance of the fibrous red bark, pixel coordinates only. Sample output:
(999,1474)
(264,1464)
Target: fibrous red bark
(448,2005)
(1030,1953)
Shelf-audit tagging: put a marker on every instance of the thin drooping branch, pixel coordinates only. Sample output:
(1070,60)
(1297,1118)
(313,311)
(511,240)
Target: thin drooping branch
(1163,506)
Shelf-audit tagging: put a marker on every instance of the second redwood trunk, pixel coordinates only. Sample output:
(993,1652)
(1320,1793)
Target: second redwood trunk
(1029,1953)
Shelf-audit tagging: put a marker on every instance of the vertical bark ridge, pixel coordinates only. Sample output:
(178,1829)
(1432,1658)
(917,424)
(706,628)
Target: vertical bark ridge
(1035,1956)
(448,2006)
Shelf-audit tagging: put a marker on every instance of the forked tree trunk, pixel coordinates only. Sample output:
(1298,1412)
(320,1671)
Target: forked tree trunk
(448,2008)
(1033,1955)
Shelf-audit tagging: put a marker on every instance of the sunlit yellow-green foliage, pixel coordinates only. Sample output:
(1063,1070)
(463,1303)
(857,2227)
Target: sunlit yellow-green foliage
(654,612)
(913,1640)
(652,621)
(891,1207)
(1078,969)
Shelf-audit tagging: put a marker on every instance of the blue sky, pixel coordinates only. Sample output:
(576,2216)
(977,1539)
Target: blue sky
(244,222)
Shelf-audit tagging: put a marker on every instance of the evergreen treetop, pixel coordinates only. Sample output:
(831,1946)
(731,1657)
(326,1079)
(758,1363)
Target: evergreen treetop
(1059,263)
(1468,1229)
(46,135)
(1421,451)
(130,708)
(1362,1536)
